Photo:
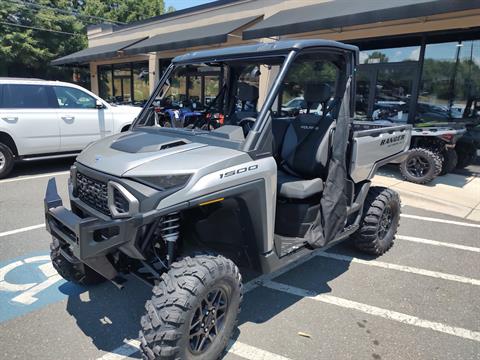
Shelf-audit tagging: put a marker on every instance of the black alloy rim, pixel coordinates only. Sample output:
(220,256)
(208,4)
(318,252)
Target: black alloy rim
(208,321)
(385,222)
(418,166)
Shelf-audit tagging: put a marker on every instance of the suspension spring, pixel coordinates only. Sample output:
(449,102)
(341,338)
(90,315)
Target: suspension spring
(171,227)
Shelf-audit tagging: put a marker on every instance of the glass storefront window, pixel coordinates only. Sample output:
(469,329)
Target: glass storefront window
(211,88)
(122,77)
(141,89)
(105,82)
(450,82)
(195,89)
(410,53)
(124,83)
(362,95)
(393,90)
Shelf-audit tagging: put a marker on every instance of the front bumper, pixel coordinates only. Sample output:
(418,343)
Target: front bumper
(91,238)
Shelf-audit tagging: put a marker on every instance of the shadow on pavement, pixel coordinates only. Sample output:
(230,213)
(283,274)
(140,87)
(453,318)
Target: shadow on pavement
(261,305)
(38,167)
(459,178)
(108,315)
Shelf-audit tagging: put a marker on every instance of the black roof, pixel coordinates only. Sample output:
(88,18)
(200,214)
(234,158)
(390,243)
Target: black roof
(94,53)
(343,13)
(216,33)
(260,49)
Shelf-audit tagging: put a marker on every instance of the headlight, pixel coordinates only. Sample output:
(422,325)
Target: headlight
(166,182)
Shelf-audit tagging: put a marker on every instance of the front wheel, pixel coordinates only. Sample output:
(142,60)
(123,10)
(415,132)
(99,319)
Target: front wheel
(421,166)
(70,268)
(193,310)
(381,215)
(6,160)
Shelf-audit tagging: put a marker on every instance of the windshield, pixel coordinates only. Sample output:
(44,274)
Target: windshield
(206,96)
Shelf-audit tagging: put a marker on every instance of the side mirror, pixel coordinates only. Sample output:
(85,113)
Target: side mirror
(99,105)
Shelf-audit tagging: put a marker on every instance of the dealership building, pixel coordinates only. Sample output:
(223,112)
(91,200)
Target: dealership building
(420,55)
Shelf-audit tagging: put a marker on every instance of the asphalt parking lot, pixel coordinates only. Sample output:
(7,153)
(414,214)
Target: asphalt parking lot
(421,300)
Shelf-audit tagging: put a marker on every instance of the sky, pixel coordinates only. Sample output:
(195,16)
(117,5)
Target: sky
(182,4)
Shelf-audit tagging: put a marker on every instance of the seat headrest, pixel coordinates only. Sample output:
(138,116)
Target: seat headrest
(317,92)
(247,92)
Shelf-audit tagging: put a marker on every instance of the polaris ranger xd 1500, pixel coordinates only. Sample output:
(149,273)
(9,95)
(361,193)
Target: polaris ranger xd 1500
(189,207)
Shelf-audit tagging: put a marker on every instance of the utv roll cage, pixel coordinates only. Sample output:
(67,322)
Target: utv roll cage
(258,141)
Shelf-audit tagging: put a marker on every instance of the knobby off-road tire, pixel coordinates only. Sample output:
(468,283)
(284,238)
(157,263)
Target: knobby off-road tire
(202,290)
(381,215)
(76,272)
(6,160)
(450,160)
(466,155)
(421,166)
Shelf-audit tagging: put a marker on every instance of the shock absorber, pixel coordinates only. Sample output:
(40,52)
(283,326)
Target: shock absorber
(170,233)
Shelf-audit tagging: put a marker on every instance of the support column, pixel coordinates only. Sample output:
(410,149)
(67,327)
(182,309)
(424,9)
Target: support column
(94,78)
(153,71)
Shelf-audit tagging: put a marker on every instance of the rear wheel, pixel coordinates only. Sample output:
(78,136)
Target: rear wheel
(193,310)
(421,166)
(381,215)
(70,268)
(6,160)
(467,155)
(450,160)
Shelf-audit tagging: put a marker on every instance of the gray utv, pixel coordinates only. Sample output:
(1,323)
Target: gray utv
(252,186)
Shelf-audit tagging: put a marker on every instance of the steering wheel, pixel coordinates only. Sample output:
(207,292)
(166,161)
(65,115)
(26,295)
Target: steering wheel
(247,124)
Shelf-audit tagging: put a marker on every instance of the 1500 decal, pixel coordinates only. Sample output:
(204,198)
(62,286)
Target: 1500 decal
(238,171)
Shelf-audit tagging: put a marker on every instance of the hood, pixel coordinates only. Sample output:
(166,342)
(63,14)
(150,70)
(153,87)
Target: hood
(122,109)
(123,152)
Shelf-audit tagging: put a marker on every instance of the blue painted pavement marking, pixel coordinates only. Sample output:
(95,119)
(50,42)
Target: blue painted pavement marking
(29,283)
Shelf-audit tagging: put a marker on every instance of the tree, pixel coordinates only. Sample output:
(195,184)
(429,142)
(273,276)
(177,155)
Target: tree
(35,32)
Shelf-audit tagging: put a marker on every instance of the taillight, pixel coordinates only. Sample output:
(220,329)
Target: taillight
(447,137)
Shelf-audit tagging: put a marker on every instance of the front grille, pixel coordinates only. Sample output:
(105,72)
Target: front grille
(93,193)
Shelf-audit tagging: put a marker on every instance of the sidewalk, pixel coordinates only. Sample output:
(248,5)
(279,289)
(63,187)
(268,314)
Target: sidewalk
(452,194)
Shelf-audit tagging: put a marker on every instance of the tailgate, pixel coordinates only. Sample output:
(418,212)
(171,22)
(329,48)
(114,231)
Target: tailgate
(375,145)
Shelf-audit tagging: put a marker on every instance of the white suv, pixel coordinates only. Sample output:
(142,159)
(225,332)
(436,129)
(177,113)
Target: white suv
(40,119)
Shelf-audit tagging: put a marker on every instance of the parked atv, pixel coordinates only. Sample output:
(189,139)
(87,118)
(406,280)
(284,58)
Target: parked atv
(186,208)
(432,153)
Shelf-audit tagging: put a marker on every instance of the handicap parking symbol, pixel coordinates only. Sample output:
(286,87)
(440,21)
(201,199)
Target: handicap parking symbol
(29,283)
(28,291)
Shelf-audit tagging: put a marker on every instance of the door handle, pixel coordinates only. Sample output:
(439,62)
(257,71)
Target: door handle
(68,118)
(10,118)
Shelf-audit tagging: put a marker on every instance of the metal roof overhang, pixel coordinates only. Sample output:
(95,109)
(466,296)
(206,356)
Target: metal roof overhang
(95,53)
(197,36)
(344,13)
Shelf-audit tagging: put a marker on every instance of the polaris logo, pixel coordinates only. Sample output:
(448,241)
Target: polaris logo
(393,139)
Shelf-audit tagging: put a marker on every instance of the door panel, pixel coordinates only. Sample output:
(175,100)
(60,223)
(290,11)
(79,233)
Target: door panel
(80,121)
(29,113)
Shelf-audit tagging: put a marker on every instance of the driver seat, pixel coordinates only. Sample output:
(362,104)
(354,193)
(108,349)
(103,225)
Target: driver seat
(306,147)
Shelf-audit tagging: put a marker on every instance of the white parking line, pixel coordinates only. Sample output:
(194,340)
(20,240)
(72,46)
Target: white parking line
(252,353)
(245,351)
(128,348)
(408,269)
(443,221)
(376,311)
(16,231)
(438,243)
(34,177)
